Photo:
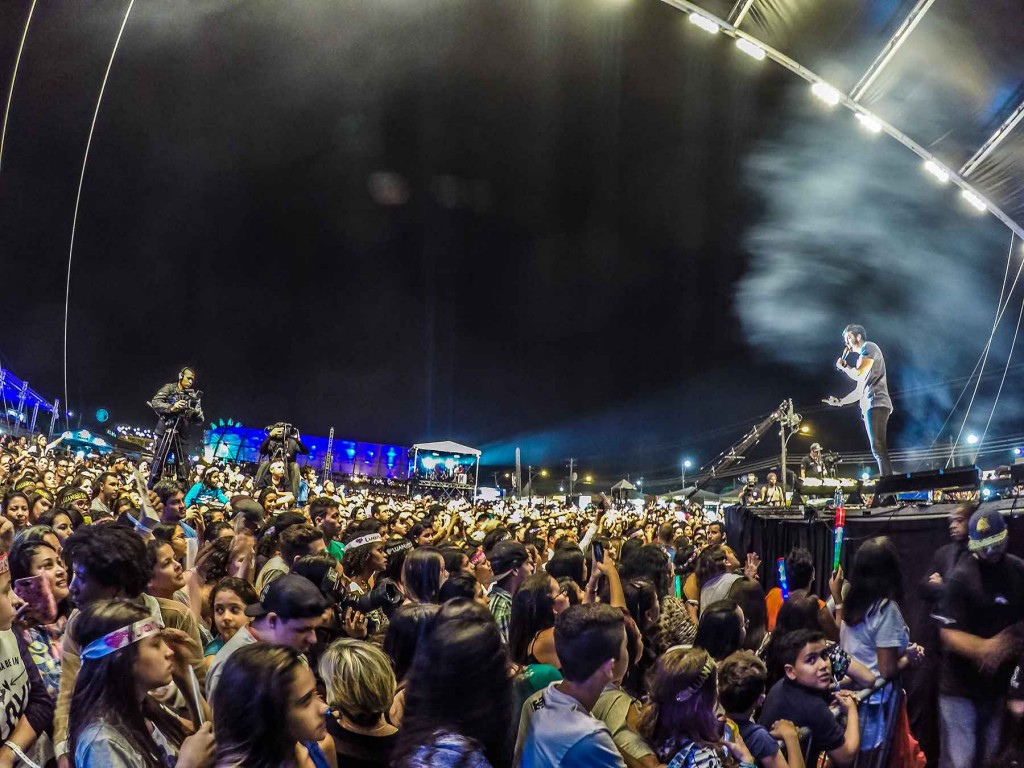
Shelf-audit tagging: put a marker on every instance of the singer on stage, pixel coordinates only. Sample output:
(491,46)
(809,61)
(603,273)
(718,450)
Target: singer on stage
(872,391)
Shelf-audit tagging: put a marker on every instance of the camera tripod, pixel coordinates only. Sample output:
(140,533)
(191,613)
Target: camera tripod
(170,445)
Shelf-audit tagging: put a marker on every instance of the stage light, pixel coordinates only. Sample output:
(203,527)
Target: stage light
(752,50)
(986,492)
(826,93)
(936,170)
(972,439)
(976,202)
(687,463)
(702,21)
(869,123)
(865,476)
(1018,451)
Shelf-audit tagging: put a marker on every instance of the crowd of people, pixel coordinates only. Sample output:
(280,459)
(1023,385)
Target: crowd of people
(215,623)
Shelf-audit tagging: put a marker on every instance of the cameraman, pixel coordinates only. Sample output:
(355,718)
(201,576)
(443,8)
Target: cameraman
(285,443)
(174,401)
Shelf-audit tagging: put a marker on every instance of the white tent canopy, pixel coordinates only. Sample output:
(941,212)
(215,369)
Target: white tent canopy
(447,446)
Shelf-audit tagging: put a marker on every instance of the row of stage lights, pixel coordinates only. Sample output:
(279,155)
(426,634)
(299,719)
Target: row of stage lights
(832,97)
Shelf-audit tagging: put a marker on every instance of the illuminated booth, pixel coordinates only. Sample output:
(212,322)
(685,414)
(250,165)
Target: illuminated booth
(445,470)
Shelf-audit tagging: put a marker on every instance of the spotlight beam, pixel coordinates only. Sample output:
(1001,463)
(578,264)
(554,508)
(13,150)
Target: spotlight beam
(688,7)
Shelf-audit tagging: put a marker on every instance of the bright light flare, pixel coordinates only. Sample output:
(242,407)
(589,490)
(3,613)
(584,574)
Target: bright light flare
(826,93)
(976,202)
(752,50)
(937,171)
(972,439)
(702,21)
(868,123)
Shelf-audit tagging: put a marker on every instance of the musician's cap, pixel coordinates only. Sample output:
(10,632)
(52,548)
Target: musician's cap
(815,446)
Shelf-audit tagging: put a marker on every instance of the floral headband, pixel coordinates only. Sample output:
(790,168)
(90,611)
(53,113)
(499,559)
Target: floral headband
(122,638)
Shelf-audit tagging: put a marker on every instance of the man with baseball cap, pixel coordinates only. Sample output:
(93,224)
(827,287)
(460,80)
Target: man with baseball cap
(289,614)
(511,565)
(980,626)
(812,465)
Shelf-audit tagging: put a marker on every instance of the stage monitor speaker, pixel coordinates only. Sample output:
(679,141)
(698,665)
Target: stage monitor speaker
(932,480)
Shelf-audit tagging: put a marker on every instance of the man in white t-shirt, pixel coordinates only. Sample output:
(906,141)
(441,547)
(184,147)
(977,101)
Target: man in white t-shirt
(556,727)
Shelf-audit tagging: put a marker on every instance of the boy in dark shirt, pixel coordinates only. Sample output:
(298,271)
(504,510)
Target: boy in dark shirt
(741,681)
(802,697)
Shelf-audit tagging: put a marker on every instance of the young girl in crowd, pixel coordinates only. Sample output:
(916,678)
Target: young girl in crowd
(269,714)
(39,557)
(681,722)
(461,653)
(360,690)
(423,574)
(114,722)
(62,521)
(408,625)
(16,509)
(531,634)
(228,600)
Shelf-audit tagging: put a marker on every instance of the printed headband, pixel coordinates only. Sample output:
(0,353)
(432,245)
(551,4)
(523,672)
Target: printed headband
(122,638)
(691,690)
(977,545)
(5,564)
(369,538)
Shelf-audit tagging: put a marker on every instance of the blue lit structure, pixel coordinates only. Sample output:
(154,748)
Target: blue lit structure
(233,442)
(21,404)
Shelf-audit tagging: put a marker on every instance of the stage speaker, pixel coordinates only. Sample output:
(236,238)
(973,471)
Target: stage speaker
(932,480)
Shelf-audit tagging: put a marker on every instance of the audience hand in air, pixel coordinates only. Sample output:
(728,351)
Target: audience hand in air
(753,565)
(835,585)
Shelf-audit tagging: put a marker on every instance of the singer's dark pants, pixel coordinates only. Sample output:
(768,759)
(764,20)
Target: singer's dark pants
(875,422)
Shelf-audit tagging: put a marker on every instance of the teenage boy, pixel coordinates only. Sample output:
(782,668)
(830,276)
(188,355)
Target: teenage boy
(741,683)
(556,727)
(511,565)
(802,697)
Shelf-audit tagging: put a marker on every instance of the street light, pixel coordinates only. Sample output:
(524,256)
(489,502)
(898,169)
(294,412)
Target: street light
(686,465)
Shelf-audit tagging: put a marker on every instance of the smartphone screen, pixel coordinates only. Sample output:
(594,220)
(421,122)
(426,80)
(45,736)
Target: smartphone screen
(679,586)
(598,553)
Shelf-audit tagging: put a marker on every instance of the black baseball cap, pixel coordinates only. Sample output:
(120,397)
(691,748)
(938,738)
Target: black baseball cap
(290,597)
(506,555)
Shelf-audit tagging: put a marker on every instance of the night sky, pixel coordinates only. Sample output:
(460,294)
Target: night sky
(501,223)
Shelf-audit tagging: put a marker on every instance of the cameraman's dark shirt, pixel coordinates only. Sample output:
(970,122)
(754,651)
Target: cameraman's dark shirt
(981,599)
(291,447)
(811,467)
(166,397)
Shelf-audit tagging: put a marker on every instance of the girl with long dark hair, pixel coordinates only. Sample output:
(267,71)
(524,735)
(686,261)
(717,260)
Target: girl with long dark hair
(531,632)
(423,573)
(408,625)
(269,714)
(874,632)
(114,721)
(461,652)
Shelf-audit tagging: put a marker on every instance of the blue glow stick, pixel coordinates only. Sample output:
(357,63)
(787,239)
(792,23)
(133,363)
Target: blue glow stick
(780,564)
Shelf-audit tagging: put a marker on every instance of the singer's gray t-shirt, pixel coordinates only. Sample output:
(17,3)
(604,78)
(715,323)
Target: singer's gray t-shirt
(876,388)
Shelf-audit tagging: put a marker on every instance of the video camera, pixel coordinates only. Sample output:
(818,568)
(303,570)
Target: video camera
(383,595)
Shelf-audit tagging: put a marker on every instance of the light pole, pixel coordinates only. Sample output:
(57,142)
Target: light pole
(686,465)
(530,472)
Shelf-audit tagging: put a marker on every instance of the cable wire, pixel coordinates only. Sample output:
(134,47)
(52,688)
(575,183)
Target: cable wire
(78,200)
(14,76)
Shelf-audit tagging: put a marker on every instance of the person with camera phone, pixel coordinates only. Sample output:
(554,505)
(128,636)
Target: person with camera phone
(283,443)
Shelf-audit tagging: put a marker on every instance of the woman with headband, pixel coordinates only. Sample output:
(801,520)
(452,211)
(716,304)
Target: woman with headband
(115,723)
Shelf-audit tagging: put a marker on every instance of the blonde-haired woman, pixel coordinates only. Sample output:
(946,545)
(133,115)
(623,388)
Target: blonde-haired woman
(360,689)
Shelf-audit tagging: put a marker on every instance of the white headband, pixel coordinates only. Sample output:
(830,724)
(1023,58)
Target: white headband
(369,538)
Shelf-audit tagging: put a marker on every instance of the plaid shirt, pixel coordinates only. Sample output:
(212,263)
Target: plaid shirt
(500,602)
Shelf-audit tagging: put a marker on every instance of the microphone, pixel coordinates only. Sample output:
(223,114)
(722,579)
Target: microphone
(842,357)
